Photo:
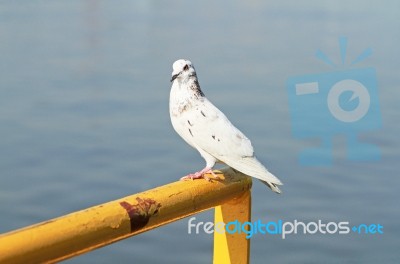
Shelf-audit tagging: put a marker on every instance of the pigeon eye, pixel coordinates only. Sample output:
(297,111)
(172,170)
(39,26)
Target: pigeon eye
(186,67)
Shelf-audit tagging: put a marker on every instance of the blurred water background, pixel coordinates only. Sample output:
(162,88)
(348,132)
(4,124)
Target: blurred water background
(84,89)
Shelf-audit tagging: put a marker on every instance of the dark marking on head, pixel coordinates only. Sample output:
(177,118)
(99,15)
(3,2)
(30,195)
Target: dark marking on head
(190,131)
(219,140)
(195,87)
(190,123)
(202,113)
(140,213)
(186,67)
(213,136)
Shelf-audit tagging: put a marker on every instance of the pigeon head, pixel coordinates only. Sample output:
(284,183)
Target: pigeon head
(182,70)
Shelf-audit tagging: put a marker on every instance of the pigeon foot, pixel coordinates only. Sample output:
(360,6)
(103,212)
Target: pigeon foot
(200,175)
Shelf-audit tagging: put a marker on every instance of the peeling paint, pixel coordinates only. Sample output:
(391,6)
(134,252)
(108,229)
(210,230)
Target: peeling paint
(140,213)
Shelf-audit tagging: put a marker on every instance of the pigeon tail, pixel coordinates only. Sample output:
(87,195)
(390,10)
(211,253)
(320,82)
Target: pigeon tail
(272,186)
(252,167)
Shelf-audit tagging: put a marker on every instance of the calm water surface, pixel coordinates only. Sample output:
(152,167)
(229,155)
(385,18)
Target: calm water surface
(84,90)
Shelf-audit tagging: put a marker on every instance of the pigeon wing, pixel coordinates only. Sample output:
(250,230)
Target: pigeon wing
(213,133)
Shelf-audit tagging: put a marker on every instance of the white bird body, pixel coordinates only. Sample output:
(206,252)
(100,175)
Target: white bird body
(204,127)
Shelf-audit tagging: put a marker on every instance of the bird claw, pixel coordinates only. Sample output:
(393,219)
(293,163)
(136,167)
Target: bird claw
(200,175)
(193,176)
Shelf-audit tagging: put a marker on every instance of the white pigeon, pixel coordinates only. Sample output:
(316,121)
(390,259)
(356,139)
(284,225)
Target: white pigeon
(204,127)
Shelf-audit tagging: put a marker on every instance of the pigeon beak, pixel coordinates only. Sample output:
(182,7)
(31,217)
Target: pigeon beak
(174,77)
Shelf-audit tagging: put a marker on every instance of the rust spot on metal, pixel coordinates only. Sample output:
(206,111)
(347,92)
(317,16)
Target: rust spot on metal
(140,213)
(174,194)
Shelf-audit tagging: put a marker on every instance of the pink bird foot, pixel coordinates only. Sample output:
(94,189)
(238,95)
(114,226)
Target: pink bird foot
(200,175)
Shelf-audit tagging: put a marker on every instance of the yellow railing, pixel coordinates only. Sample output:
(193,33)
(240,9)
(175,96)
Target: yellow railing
(79,232)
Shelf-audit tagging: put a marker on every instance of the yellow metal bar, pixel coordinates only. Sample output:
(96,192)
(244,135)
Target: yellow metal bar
(235,247)
(85,230)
